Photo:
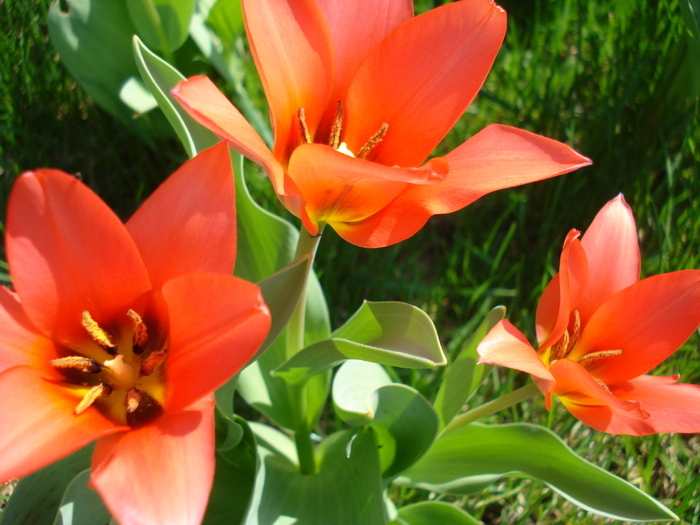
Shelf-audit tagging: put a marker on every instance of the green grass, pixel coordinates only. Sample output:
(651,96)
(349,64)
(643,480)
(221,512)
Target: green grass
(606,77)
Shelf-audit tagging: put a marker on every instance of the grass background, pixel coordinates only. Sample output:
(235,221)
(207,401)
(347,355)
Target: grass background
(610,78)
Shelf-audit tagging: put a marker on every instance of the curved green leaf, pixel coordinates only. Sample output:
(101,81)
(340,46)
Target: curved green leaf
(434,512)
(388,333)
(160,77)
(162,24)
(472,457)
(346,490)
(404,421)
(226,19)
(81,504)
(462,376)
(37,497)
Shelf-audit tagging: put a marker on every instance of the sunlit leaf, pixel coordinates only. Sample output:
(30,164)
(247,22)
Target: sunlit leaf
(434,512)
(81,504)
(389,333)
(160,77)
(162,24)
(463,376)
(472,457)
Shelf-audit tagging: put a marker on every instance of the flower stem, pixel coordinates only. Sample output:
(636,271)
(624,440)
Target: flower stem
(306,245)
(496,405)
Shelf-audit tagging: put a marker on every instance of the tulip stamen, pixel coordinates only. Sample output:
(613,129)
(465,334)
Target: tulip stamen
(372,142)
(568,341)
(155,358)
(79,363)
(605,387)
(140,338)
(337,127)
(305,135)
(594,356)
(99,336)
(92,395)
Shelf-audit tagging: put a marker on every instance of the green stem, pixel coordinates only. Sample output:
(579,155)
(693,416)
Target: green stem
(496,405)
(306,245)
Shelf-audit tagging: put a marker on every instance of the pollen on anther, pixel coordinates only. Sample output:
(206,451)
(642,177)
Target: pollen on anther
(92,395)
(140,338)
(155,358)
(79,363)
(372,142)
(337,127)
(99,336)
(305,135)
(594,356)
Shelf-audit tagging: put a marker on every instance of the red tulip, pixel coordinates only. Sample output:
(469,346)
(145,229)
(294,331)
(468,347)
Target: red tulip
(360,94)
(120,333)
(600,330)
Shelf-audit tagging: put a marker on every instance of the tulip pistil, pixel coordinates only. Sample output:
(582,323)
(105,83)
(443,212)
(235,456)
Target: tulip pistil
(126,383)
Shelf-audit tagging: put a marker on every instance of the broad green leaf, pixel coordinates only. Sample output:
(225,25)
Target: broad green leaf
(346,490)
(226,19)
(82,505)
(403,420)
(162,24)
(93,39)
(160,78)
(388,333)
(267,243)
(434,512)
(235,473)
(472,457)
(462,376)
(37,497)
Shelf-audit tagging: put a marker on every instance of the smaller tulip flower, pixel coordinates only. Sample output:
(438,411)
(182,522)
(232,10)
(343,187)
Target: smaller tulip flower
(120,333)
(360,94)
(600,330)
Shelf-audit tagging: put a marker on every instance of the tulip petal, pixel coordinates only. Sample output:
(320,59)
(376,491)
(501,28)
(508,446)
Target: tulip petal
(505,345)
(612,251)
(338,188)
(672,407)
(210,107)
(587,400)
(68,253)
(497,157)
(648,321)
(188,225)
(563,293)
(217,323)
(160,473)
(420,94)
(19,340)
(38,425)
(355,28)
(293,53)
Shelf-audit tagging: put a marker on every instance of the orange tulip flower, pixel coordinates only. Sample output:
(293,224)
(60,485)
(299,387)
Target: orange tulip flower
(120,333)
(600,330)
(360,94)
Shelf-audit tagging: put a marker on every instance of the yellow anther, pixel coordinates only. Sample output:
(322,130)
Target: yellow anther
(155,358)
(79,363)
(140,338)
(305,135)
(594,356)
(99,336)
(372,142)
(93,395)
(561,348)
(337,127)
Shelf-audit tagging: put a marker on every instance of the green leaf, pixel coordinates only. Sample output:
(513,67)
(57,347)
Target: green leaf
(82,505)
(234,477)
(388,333)
(226,19)
(403,420)
(162,24)
(462,376)
(434,512)
(37,497)
(346,490)
(93,39)
(472,457)
(160,77)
